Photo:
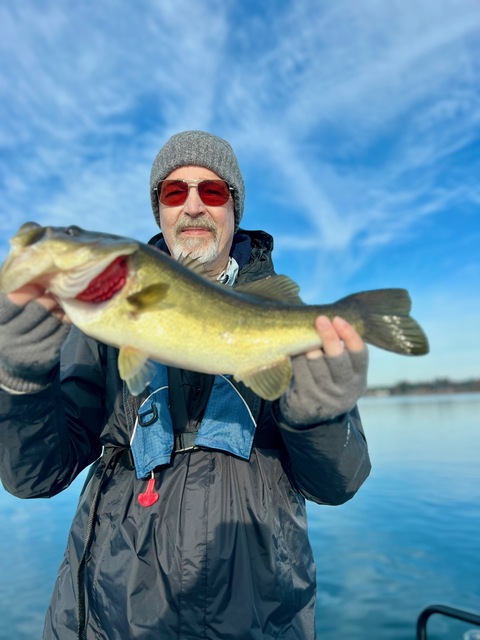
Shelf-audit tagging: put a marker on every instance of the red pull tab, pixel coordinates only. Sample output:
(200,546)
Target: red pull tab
(150,496)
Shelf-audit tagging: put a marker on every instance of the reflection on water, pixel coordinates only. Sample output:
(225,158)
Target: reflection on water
(408,539)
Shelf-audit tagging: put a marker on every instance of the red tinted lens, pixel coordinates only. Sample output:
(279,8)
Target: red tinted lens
(173,192)
(213,192)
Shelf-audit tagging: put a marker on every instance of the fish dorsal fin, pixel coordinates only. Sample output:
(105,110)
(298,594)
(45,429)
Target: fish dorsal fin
(269,382)
(276,288)
(150,297)
(136,369)
(193,264)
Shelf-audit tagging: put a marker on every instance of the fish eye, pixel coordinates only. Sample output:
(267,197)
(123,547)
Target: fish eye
(73,231)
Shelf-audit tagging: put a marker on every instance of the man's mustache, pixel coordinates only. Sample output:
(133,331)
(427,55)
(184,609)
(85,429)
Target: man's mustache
(186,223)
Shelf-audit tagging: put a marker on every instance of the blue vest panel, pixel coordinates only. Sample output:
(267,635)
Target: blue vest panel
(227,424)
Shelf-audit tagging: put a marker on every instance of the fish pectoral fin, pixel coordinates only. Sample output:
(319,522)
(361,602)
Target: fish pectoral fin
(268,382)
(276,288)
(150,297)
(135,369)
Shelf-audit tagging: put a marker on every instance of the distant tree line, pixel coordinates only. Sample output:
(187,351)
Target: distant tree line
(439,385)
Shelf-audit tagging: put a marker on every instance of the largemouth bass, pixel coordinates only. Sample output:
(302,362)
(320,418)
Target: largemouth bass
(134,297)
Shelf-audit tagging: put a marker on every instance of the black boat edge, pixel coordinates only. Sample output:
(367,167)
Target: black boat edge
(444,610)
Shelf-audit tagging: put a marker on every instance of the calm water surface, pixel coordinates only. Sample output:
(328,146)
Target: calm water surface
(409,538)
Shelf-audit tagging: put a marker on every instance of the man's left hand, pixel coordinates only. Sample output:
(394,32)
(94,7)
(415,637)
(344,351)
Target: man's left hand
(327,381)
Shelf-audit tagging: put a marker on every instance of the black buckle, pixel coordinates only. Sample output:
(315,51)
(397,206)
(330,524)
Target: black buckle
(184,442)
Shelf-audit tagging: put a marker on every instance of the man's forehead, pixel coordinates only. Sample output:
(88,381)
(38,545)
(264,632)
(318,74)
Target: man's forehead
(192,172)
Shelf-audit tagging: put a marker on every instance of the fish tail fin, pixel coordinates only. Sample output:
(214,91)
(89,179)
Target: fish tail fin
(386,322)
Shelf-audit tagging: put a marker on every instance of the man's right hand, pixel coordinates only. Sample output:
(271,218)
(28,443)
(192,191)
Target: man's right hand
(30,292)
(32,331)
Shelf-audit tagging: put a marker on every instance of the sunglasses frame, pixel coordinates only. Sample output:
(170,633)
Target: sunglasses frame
(192,183)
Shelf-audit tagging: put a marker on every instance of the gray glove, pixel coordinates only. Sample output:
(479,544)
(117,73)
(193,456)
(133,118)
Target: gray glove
(324,387)
(30,342)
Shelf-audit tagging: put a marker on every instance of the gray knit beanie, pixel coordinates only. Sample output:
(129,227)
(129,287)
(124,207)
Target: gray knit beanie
(201,149)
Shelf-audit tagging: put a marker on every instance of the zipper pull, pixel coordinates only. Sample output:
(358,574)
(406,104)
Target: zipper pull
(150,496)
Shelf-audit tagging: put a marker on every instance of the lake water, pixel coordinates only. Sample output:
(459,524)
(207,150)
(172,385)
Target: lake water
(409,538)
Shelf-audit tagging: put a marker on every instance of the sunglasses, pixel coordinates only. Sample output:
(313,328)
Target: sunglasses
(213,193)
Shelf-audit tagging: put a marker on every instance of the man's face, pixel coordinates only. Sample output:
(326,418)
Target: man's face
(195,229)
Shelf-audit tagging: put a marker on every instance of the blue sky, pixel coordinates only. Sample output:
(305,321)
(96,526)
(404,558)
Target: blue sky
(356,125)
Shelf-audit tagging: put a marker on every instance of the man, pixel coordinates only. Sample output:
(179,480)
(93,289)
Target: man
(212,543)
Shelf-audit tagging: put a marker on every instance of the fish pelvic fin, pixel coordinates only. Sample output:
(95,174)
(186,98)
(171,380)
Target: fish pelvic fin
(268,382)
(385,320)
(135,369)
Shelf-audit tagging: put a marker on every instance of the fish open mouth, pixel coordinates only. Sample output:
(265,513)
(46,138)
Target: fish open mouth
(106,284)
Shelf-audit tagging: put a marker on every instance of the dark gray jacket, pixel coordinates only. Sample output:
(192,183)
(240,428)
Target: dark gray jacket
(222,554)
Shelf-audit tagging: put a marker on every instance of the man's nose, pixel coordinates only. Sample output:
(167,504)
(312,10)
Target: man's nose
(193,204)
